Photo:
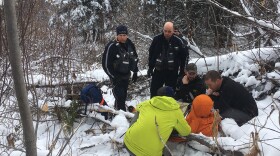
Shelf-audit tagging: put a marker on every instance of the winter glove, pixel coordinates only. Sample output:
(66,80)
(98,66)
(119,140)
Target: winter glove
(150,72)
(134,77)
(131,109)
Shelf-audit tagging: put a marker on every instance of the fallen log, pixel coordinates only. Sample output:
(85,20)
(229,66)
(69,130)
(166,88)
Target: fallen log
(105,82)
(100,109)
(208,142)
(67,84)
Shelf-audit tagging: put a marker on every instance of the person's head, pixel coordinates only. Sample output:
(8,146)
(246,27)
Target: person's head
(202,105)
(191,71)
(176,31)
(122,32)
(165,91)
(168,30)
(213,80)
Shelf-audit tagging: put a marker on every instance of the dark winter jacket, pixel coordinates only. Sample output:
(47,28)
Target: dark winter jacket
(185,47)
(119,59)
(187,92)
(233,95)
(165,51)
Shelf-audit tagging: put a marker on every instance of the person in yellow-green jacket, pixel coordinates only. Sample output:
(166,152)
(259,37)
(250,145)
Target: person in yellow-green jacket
(156,119)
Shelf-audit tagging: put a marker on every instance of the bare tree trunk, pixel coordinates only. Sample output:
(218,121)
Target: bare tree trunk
(17,71)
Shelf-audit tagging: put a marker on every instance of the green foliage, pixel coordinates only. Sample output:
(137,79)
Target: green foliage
(69,115)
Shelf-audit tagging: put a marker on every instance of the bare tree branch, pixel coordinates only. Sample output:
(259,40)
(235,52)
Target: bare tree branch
(260,22)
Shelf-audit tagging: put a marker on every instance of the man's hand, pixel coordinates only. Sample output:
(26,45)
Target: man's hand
(209,91)
(134,77)
(150,72)
(216,93)
(185,80)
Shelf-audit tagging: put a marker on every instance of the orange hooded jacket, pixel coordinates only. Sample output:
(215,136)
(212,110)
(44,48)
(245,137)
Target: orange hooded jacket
(200,117)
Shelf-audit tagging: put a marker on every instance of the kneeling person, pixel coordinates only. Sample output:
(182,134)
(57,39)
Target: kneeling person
(231,98)
(157,118)
(201,117)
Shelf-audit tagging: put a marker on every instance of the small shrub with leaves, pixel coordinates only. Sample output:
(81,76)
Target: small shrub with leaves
(69,115)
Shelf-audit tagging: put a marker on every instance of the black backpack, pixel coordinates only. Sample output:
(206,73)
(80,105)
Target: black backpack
(92,94)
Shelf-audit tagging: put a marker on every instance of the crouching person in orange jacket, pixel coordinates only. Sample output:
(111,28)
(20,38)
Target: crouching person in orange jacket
(201,117)
(156,120)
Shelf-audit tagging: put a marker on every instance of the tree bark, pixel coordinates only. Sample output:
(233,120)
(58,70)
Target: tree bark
(17,72)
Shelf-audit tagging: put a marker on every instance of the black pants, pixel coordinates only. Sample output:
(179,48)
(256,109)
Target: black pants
(160,78)
(239,116)
(120,93)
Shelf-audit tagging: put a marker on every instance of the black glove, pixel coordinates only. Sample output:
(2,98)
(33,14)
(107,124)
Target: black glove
(134,77)
(150,72)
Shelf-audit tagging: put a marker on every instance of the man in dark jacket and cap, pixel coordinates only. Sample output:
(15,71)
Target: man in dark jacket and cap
(166,55)
(119,59)
(231,98)
(190,85)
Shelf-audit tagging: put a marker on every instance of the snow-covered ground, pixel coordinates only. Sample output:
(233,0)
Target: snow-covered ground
(96,142)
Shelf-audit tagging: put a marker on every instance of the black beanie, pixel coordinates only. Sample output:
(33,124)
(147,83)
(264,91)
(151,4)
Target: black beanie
(165,91)
(121,29)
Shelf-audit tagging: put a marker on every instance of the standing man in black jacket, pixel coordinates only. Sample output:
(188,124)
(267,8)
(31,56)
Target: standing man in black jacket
(231,98)
(119,59)
(190,85)
(166,55)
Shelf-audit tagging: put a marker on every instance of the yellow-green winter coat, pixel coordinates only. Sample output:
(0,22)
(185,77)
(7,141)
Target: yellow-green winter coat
(144,137)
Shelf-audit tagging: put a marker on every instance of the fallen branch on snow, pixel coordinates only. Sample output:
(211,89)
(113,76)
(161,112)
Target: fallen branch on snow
(208,142)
